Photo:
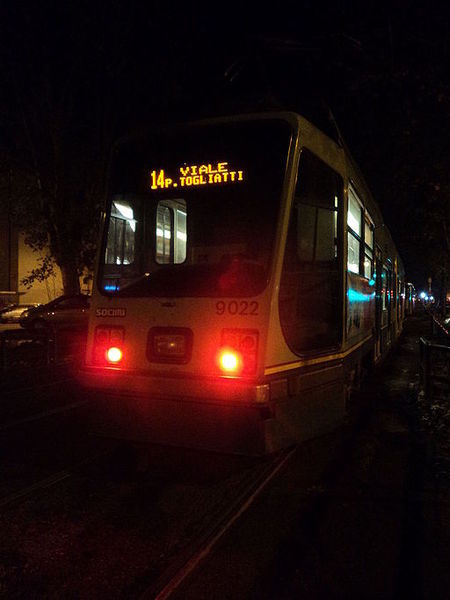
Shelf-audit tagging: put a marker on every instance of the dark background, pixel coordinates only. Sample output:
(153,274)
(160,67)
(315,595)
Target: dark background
(87,72)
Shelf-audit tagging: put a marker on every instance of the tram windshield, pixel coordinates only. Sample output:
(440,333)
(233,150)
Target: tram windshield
(194,212)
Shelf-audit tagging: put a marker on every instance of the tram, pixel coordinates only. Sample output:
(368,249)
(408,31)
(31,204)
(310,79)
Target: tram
(410,298)
(245,282)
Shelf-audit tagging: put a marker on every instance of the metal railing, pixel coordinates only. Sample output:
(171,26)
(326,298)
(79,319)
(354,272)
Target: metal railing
(434,369)
(22,349)
(439,329)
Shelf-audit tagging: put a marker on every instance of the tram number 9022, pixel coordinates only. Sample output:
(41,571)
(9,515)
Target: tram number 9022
(233,307)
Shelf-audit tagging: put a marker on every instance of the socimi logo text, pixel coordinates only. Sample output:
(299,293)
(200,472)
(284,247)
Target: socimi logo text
(110,312)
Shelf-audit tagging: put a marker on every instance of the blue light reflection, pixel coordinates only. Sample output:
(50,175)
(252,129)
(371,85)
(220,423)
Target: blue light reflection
(355,296)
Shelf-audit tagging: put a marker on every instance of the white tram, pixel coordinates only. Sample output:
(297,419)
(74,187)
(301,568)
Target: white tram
(245,279)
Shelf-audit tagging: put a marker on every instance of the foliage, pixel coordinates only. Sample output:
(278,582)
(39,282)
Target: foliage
(396,83)
(59,115)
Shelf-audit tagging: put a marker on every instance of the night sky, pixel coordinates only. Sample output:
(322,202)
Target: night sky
(382,68)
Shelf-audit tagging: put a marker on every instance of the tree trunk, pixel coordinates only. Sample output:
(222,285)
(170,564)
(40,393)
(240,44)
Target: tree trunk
(71,281)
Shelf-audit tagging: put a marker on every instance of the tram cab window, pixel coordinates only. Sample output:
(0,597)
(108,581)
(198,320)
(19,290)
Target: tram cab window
(121,234)
(310,310)
(171,232)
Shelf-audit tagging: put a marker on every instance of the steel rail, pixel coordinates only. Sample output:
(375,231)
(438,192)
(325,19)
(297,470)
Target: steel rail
(32,388)
(199,549)
(42,415)
(46,482)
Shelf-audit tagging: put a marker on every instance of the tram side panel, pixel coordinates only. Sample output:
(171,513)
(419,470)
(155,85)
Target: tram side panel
(389,277)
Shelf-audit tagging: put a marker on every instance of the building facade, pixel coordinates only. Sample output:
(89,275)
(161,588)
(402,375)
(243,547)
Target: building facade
(17,261)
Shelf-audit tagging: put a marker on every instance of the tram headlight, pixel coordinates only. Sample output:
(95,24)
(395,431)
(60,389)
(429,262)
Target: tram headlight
(238,352)
(169,345)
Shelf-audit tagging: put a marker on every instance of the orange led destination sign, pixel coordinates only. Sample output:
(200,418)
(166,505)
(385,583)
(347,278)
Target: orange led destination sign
(193,175)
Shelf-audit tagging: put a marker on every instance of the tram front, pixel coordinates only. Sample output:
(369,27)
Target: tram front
(182,296)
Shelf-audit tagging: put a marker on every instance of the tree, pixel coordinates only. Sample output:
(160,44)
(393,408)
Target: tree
(393,77)
(62,107)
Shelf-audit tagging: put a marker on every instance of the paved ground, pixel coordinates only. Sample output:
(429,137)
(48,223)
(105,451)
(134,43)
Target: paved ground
(384,528)
(378,525)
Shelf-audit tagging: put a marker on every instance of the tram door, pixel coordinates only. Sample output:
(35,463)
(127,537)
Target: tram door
(378,302)
(310,290)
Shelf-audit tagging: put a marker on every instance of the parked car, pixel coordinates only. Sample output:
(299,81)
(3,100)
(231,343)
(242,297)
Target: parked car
(12,312)
(64,310)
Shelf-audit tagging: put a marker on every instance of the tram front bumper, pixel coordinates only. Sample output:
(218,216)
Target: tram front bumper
(223,415)
(135,383)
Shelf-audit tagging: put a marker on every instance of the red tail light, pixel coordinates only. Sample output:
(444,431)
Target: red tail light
(238,352)
(230,361)
(114,355)
(108,345)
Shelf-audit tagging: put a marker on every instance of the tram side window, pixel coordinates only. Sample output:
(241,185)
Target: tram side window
(384,289)
(354,231)
(310,309)
(368,247)
(171,232)
(359,237)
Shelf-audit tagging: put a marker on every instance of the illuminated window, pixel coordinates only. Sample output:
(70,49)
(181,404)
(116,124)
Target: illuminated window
(354,214)
(121,234)
(368,266)
(368,232)
(353,253)
(368,247)
(171,232)
(164,226)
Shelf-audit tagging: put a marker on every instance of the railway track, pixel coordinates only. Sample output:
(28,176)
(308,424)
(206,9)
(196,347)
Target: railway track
(39,401)
(169,559)
(166,567)
(33,489)
(42,415)
(212,505)
(189,560)
(174,556)
(212,509)
(30,490)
